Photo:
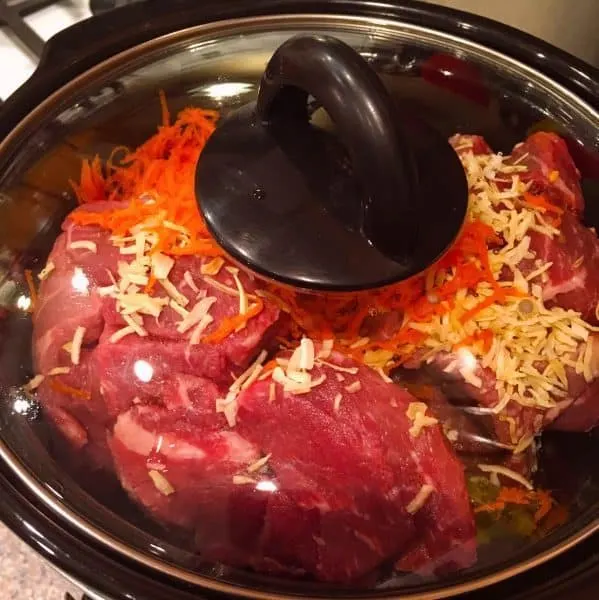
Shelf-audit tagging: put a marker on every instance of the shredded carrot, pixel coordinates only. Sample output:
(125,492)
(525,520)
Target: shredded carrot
(539,499)
(31,286)
(166,115)
(150,285)
(484,337)
(157,181)
(229,325)
(63,388)
(540,203)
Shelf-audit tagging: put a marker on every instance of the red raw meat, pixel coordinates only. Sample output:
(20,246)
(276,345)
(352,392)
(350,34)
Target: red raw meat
(144,368)
(68,299)
(331,501)
(198,463)
(551,170)
(237,349)
(583,413)
(340,463)
(80,416)
(574,275)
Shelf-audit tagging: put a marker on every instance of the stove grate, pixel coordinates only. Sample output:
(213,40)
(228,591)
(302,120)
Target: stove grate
(11,16)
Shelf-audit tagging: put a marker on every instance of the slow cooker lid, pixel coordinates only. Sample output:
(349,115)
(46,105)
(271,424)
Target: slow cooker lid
(217,66)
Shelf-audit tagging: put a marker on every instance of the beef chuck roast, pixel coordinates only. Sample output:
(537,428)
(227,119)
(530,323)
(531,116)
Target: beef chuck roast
(550,170)
(335,498)
(344,490)
(572,281)
(85,402)
(341,465)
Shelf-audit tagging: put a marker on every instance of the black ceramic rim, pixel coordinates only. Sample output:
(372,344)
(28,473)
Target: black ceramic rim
(105,37)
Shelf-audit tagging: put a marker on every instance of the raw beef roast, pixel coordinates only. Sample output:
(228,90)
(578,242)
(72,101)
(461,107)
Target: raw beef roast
(571,282)
(333,499)
(550,170)
(573,278)
(344,489)
(339,465)
(329,471)
(85,401)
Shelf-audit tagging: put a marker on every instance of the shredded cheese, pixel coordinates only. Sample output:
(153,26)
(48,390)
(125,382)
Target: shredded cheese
(377,359)
(306,354)
(45,272)
(183,312)
(197,313)
(325,348)
(135,325)
(221,286)
(188,278)
(500,470)
(197,333)
(161,483)
(420,499)
(353,387)
(416,412)
(228,405)
(120,334)
(256,466)
(337,402)
(76,345)
(349,370)
(34,383)
(383,375)
(173,292)
(84,245)
(161,265)
(242,480)
(243,298)
(59,371)
(363,341)
(212,267)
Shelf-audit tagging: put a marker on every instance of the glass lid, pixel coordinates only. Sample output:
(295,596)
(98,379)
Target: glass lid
(424,439)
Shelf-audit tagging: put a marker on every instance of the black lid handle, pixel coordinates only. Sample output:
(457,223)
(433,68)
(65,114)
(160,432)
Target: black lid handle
(366,119)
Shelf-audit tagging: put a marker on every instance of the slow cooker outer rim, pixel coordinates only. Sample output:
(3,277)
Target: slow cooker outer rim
(98,569)
(140,22)
(80,558)
(54,72)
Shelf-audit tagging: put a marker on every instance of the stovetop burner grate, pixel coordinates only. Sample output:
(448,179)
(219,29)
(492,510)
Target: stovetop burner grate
(11,16)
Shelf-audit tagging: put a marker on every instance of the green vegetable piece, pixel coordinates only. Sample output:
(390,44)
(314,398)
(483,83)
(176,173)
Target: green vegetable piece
(481,490)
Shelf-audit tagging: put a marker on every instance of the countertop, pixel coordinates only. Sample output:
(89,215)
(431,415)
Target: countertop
(23,575)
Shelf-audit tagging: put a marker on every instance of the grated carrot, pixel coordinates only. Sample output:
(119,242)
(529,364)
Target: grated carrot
(32,290)
(518,496)
(230,324)
(539,202)
(151,283)
(63,388)
(166,115)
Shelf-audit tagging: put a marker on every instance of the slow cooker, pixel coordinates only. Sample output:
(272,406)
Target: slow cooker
(459,73)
